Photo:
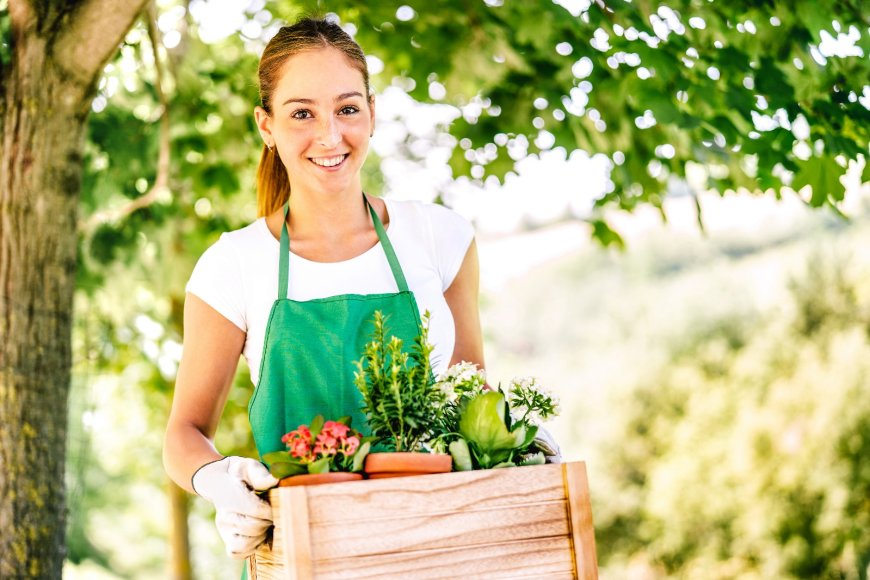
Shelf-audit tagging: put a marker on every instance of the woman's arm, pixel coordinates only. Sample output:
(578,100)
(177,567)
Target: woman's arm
(462,298)
(212,346)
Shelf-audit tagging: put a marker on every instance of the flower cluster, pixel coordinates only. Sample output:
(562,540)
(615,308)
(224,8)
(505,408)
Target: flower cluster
(320,447)
(334,438)
(462,380)
(531,402)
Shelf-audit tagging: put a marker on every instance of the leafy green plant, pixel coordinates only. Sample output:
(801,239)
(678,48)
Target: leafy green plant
(400,398)
(320,447)
(488,429)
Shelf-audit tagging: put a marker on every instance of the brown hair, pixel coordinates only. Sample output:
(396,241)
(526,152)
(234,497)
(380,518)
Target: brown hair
(273,184)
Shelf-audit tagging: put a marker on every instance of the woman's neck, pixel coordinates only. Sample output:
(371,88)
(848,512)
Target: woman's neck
(327,217)
(329,230)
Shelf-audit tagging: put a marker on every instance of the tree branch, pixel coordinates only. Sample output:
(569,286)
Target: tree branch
(91,35)
(161,182)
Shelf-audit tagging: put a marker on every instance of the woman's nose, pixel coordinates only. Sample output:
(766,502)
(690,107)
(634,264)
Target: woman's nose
(329,134)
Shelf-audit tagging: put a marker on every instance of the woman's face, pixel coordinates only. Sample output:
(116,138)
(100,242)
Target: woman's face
(321,121)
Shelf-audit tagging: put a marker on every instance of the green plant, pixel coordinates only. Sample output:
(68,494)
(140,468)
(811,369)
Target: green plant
(322,447)
(488,429)
(401,401)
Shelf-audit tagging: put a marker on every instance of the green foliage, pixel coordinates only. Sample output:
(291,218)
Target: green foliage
(400,398)
(5,35)
(484,429)
(716,389)
(734,455)
(702,84)
(493,440)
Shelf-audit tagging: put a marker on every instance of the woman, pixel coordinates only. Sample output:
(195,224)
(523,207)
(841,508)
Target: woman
(294,291)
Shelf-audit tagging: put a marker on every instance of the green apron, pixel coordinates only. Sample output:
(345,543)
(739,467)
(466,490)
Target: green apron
(310,348)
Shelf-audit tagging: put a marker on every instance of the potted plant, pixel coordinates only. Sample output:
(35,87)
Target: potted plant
(402,403)
(322,452)
(489,429)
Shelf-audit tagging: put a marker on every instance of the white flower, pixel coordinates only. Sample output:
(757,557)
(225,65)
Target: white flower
(462,379)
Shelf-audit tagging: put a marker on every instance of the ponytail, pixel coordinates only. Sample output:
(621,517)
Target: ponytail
(273,184)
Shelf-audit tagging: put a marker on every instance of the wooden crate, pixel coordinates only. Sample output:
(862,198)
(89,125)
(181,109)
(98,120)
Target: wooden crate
(521,522)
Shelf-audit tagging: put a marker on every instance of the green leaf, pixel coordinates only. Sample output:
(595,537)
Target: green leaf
(605,235)
(771,82)
(822,174)
(320,466)
(346,420)
(482,422)
(277,457)
(504,464)
(528,436)
(316,426)
(281,469)
(461,455)
(360,456)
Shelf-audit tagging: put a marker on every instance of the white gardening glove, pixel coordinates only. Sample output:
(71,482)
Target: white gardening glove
(545,442)
(242,518)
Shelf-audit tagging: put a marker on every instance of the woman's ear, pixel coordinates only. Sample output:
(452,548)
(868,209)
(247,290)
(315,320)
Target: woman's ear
(372,113)
(264,124)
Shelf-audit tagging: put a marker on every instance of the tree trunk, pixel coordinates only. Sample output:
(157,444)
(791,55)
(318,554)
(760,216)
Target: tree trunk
(39,182)
(58,51)
(179,535)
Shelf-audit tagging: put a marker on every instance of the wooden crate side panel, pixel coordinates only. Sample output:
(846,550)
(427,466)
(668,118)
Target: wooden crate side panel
(266,564)
(543,557)
(444,530)
(372,499)
(289,557)
(580,520)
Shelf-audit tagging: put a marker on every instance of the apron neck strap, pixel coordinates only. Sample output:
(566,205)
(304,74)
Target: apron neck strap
(284,258)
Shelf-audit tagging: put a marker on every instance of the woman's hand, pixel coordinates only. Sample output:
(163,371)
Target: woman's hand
(242,518)
(547,444)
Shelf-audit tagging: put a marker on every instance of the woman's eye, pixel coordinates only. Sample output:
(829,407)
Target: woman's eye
(348,110)
(302,114)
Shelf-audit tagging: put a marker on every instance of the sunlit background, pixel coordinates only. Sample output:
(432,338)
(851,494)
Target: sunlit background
(715,380)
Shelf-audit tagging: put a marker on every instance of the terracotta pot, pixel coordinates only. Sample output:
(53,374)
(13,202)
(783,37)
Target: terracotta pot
(318,478)
(383,465)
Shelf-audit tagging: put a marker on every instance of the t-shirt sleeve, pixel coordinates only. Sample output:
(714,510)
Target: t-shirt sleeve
(452,235)
(217,280)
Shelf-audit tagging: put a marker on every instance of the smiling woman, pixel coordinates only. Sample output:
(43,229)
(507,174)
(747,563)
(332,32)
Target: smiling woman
(295,291)
(317,125)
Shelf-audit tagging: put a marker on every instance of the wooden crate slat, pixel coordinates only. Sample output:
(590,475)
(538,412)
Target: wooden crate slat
(536,558)
(489,488)
(580,517)
(446,530)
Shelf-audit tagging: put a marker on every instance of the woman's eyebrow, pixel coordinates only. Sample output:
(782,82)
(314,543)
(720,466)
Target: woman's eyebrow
(340,97)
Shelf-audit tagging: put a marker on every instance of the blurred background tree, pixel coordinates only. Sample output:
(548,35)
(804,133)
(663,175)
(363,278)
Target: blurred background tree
(680,94)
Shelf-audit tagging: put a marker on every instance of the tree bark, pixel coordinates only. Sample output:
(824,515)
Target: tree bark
(58,52)
(179,535)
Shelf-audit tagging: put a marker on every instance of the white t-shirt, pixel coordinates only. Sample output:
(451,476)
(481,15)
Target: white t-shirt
(238,274)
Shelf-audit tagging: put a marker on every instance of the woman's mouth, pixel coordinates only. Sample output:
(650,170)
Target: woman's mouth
(329,162)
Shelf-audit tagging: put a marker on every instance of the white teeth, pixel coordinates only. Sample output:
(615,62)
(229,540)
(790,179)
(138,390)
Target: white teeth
(328,161)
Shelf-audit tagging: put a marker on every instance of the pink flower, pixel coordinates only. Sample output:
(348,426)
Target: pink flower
(326,444)
(300,450)
(300,432)
(351,444)
(298,442)
(335,428)
(333,439)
